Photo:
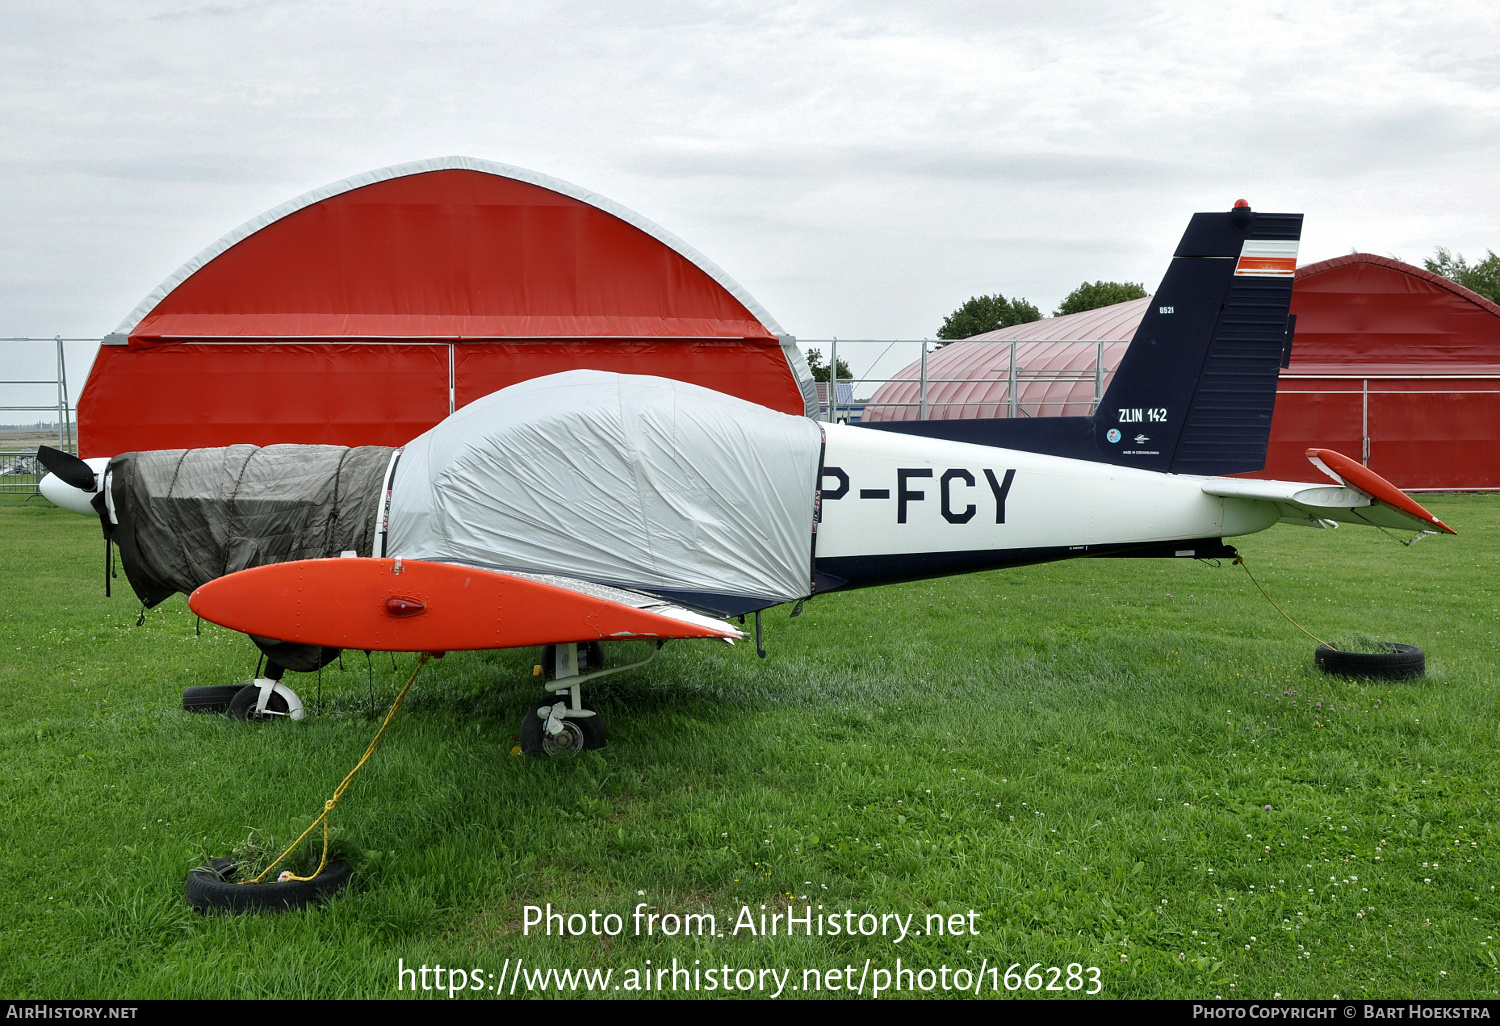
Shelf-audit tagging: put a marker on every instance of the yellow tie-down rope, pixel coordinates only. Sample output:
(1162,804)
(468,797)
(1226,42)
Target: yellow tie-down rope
(1240,561)
(338,792)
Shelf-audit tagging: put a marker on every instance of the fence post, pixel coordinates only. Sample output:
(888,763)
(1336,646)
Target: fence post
(1365,422)
(833,381)
(452,381)
(922,391)
(1098,377)
(62,402)
(1011,388)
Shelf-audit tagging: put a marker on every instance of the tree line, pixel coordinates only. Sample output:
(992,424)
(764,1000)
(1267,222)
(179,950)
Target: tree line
(980,314)
(1482,277)
(990,313)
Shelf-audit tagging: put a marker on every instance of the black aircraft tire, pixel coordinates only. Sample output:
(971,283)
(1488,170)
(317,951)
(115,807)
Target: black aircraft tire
(593,730)
(1407,662)
(209,697)
(208,889)
(590,727)
(242,706)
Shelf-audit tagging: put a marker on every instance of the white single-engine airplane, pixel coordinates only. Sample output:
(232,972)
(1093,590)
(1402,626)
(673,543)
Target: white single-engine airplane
(587,506)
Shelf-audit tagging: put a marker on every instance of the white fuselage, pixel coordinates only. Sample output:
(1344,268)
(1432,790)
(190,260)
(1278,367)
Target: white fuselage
(910,494)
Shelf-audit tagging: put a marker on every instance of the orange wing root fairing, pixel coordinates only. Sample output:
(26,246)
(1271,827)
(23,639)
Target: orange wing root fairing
(394,605)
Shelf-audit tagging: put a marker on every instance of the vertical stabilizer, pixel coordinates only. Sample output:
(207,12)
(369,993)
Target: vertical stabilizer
(1195,391)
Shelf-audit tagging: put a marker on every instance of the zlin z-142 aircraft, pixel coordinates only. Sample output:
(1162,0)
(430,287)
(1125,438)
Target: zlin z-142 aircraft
(586,506)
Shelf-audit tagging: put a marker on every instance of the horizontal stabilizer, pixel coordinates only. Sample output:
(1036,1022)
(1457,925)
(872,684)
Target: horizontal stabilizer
(394,605)
(1360,496)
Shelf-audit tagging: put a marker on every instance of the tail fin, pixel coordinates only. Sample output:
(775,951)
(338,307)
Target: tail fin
(1196,388)
(1195,391)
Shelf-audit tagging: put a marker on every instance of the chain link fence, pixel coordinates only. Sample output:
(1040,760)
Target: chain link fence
(999,383)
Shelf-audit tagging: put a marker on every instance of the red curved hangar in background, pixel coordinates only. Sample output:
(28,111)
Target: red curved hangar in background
(365,312)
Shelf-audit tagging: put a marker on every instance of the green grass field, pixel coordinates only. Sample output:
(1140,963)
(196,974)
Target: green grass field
(1124,764)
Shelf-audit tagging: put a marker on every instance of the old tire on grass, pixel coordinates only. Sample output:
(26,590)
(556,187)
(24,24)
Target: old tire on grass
(1407,662)
(209,697)
(211,886)
(581,736)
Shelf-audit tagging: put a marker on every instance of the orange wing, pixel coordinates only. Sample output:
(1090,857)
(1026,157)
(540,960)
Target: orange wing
(416,606)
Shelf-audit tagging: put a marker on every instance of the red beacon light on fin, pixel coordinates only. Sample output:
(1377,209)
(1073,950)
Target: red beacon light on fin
(1242,203)
(398,606)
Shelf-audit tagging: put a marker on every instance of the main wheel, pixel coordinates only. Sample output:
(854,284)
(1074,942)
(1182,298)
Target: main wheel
(242,706)
(577,737)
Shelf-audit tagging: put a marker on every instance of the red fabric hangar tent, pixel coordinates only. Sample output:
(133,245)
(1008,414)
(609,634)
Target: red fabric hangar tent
(1391,365)
(364,312)
(1394,366)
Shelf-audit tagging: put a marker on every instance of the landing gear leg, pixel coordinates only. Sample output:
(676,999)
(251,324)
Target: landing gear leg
(566,724)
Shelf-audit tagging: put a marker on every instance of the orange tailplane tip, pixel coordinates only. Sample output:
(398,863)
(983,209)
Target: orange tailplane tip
(1361,478)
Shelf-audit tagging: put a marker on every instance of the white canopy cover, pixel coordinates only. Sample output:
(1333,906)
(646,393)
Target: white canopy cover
(638,481)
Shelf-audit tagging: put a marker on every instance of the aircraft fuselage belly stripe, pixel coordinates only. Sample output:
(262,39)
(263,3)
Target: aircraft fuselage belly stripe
(899,507)
(869,571)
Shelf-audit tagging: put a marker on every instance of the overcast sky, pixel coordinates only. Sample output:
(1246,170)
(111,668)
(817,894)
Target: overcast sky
(861,168)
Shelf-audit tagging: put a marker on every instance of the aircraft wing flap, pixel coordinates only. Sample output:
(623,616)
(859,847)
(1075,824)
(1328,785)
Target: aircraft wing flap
(634,599)
(419,606)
